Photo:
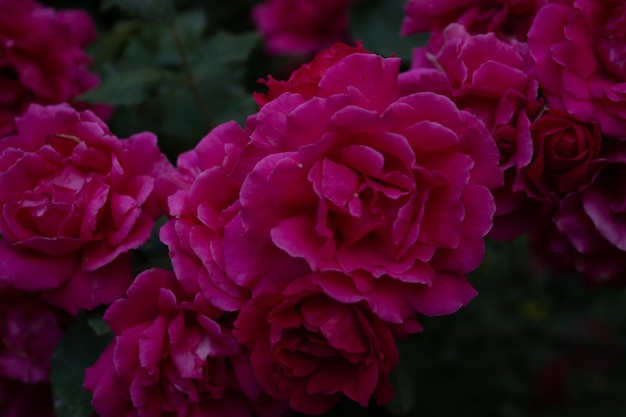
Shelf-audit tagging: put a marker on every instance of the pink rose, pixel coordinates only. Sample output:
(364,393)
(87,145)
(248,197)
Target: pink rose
(301,26)
(200,213)
(580,50)
(305,80)
(506,18)
(393,192)
(311,349)
(171,354)
(493,80)
(75,200)
(18,399)
(42,58)
(588,226)
(565,149)
(30,330)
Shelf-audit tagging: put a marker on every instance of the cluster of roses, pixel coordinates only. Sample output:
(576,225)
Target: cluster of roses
(302,245)
(354,201)
(548,77)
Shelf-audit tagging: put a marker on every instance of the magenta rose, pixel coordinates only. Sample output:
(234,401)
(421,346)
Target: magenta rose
(589,227)
(201,211)
(42,57)
(172,356)
(305,80)
(311,349)
(493,80)
(301,26)
(393,192)
(74,201)
(29,330)
(580,50)
(506,18)
(18,399)
(565,150)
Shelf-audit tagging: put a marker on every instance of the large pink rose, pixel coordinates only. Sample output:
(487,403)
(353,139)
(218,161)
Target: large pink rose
(172,356)
(394,192)
(29,330)
(312,349)
(41,57)
(301,26)
(506,18)
(74,201)
(493,80)
(200,213)
(580,49)
(589,225)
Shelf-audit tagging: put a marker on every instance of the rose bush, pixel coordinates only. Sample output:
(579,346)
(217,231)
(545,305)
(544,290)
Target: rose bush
(172,355)
(580,49)
(75,200)
(42,57)
(311,348)
(301,26)
(376,203)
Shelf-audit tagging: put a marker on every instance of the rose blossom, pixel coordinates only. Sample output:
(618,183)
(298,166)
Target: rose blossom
(171,356)
(30,330)
(18,399)
(394,192)
(588,225)
(74,200)
(41,57)
(580,50)
(506,18)
(311,348)
(565,149)
(493,80)
(301,26)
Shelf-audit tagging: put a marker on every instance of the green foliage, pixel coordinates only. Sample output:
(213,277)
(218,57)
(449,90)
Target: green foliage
(174,80)
(157,11)
(130,87)
(377,24)
(79,349)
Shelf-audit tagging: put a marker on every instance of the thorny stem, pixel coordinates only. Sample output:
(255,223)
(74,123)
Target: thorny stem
(190,78)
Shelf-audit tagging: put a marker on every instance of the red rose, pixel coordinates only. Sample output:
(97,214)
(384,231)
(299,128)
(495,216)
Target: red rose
(311,348)
(305,80)
(564,148)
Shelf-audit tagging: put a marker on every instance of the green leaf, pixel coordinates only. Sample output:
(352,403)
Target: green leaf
(377,24)
(227,48)
(129,87)
(155,11)
(79,349)
(97,323)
